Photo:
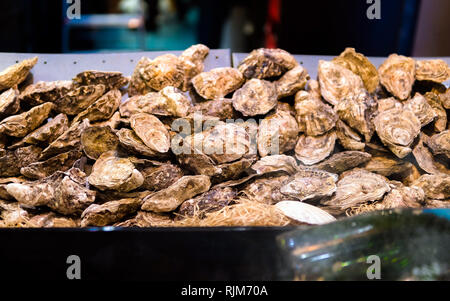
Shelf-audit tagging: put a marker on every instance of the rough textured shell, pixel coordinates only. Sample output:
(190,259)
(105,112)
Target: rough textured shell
(131,142)
(9,103)
(266,63)
(41,92)
(387,166)
(256,97)
(109,213)
(402,197)
(432,70)
(169,199)
(397,75)
(421,108)
(192,61)
(337,82)
(165,70)
(218,82)
(151,131)
(16,74)
(266,189)
(310,184)
(291,82)
(233,170)
(348,138)
(440,124)
(221,108)
(160,177)
(12,161)
(426,161)
(110,79)
(97,140)
(344,161)
(138,86)
(311,150)
(440,143)
(305,213)
(436,187)
(103,108)
(276,163)
(43,169)
(78,99)
(212,200)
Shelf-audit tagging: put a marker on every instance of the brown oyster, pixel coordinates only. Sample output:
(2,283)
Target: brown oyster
(131,142)
(151,131)
(386,104)
(165,70)
(311,150)
(387,166)
(344,161)
(314,117)
(348,138)
(77,100)
(98,140)
(4,195)
(218,82)
(221,108)
(69,140)
(212,200)
(291,82)
(397,75)
(16,74)
(445,99)
(110,79)
(266,63)
(192,61)
(160,177)
(440,143)
(52,220)
(199,164)
(138,86)
(12,161)
(41,92)
(432,70)
(276,163)
(397,129)
(256,97)
(233,170)
(310,184)
(112,172)
(22,124)
(277,134)
(426,161)
(102,109)
(360,65)
(114,122)
(9,103)
(337,82)
(266,189)
(402,197)
(145,219)
(109,213)
(358,186)
(440,124)
(421,108)
(43,169)
(436,187)
(169,199)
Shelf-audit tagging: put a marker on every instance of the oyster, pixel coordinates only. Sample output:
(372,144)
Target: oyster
(426,161)
(314,117)
(192,61)
(12,161)
(305,213)
(103,108)
(61,162)
(131,142)
(221,108)
(151,131)
(397,75)
(160,177)
(277,134)
(310,184)
(109,213)
(138,85)
(165,70)
(397,129)
(218,82)
(212,200)
(169,199)
(291,82)
(4,195)
(256,97)
(421,108)
(9,103)
(276,163)
(337,82)
(445,99)
(52,220)
(266,63)
(440,143)
(22,124)
(266,189)
(69,140)
(402,197)
(386,104)
(110,79)
(41,92)
(147,219)
(387,166)
(344,161)
(348,138)
(97,140)
(436,187)
(112,122)
(233,170)
(440,124)
(311,150)
(432,70)
(199,164)
(16,74)
(360,65)
(357,111)
(436,204)
(112,172)
(78,99)
(358,186)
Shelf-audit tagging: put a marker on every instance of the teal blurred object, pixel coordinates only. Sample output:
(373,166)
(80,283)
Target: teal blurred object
(410,244)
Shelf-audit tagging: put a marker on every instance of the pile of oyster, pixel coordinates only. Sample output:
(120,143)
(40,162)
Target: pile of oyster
(173,141)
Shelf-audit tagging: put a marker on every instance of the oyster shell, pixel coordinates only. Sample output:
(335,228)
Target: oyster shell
(386,104)
(131,142)
(221,108)
(436,187)
(41,92)
(256,97)
(426,161)
(160,177)
(169,199)
(277,134)
(397,75)
(358,186)
(103,108)
(151,131)
(314,117)
(387,166)
(43,169)
(192,61)
(440,143)
(110,79)
(305,213)
(147,219)
(233,170)
(165,70)
(397,129)
(9,103)
(311,150)
(421,108)
(445,99)
(266,63)
(432,70)
(360,65)
(337,82)
(112,172)
(292,81)
(199,164)
(52,220)
(4,195)
(348,138)
(402,197)
(357,111)
(266,189)
(16,74)
(138,86)
(344,161)
(22,124)
(210,201)
(276,163)
(97,140)
(109,213)
(217,83)
(440,124)
(12,161)
(78,99)
(310,184)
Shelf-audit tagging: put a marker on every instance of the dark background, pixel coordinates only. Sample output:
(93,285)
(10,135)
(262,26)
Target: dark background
(410,27)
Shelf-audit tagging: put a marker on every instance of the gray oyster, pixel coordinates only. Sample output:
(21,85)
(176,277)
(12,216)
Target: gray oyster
(310,184)
(311,150)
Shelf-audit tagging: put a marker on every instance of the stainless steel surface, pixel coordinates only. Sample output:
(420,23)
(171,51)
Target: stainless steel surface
(65,66)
